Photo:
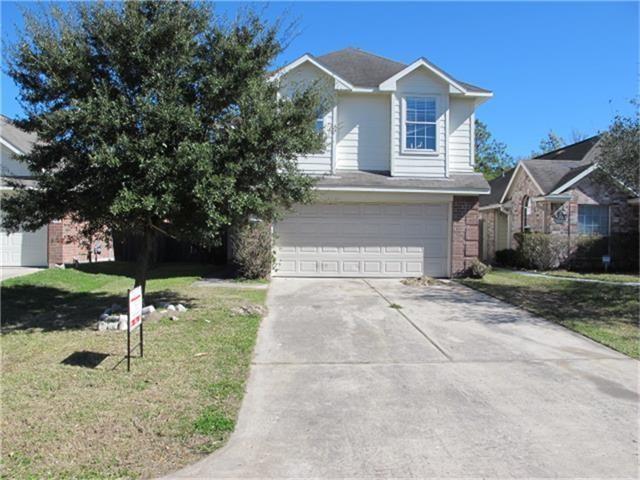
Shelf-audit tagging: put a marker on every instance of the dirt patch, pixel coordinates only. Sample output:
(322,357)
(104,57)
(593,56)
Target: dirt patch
(421,282)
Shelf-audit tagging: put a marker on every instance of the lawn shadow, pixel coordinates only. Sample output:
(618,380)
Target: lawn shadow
(30,307)
(159,271)
(85,359)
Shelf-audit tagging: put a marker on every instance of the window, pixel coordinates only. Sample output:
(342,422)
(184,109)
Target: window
(320,122)
(527,208)
(593,219)
(420,124)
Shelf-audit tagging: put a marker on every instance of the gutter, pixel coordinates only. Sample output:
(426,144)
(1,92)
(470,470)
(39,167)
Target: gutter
(404,190)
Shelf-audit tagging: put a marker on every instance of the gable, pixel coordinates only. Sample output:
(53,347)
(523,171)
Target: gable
(521,180)
(422,81)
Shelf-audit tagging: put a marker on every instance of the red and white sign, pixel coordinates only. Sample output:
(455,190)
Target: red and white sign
(135,308)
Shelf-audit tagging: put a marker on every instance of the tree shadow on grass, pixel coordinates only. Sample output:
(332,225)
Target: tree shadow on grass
(30,307)
(159,271)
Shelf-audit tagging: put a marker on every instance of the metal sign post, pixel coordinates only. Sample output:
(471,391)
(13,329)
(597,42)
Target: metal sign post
(134,320)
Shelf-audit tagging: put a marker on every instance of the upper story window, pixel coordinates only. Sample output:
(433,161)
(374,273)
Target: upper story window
(420,124)
(593,219)
(319,121)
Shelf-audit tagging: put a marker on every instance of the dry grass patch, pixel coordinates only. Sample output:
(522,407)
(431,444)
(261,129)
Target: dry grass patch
(421,282)
(179,402)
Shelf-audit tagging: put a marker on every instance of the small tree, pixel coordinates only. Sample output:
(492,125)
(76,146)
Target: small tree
(619,155)
(491,156)
(551,142)
(156,116)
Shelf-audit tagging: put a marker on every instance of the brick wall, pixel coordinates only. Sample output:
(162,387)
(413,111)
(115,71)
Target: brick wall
(465,241)
(522,188)
(66,245)
(488,232)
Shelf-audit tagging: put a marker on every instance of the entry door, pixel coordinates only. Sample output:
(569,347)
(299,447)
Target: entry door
(363,240)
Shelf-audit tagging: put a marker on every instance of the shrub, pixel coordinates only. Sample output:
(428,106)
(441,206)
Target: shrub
(540,250)
(252,250)
(508,258)
(478,269)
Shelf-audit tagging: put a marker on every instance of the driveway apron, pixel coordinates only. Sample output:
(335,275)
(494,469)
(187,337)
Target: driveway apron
(374,379)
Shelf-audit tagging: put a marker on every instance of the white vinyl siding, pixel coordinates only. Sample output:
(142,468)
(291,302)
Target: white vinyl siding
(420,164)
(363,132)
(363,240)
(10,166)
(461,135)
(302,77)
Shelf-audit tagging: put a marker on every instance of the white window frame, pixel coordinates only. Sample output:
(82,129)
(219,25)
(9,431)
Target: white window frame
(403,129)
(320,117)
(580,225)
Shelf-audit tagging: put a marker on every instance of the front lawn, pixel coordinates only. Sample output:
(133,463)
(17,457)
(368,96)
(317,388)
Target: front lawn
(605,277)
(605,313)
(178,402)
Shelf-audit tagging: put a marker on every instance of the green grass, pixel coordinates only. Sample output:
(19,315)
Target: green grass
(605,277)
(178,402)
(606,313)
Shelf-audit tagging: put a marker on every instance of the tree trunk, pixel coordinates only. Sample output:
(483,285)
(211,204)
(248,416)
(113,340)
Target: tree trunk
(144,257)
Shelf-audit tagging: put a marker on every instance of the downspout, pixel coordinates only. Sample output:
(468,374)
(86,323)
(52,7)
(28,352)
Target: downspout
(569,236)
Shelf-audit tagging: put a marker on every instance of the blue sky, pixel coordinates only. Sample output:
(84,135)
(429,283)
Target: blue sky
(560,66)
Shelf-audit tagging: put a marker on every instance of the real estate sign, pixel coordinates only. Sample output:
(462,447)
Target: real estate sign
(135,308)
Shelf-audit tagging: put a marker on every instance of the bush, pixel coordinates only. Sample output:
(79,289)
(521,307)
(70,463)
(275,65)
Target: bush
(540,251)
(253,250)
(478,269)
(508,258)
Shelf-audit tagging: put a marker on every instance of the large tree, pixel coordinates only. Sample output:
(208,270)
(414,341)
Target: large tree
(156,116)
(619,155)
(491,155)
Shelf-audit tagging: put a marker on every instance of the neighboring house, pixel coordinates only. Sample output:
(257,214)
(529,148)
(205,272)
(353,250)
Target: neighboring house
(396,193)
(556,193)
(56,243)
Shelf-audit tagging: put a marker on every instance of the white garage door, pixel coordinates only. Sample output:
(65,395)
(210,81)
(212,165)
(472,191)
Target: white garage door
(24,249)
(363,240)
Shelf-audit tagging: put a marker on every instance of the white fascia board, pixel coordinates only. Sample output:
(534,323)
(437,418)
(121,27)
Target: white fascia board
(469,192)
(574,180)
(490,207)
(390,83)
(11,147)
(341,82)
(520,166)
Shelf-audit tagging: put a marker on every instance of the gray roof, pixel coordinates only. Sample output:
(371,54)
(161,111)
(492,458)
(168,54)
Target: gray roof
(17,137)
(575,151)
(472,182)
(551,174)
(498,186)
(360,68)
(367,70)
(552,169)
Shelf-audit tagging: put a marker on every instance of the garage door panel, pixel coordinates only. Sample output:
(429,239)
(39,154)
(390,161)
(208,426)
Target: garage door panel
(363,240)
(28,249)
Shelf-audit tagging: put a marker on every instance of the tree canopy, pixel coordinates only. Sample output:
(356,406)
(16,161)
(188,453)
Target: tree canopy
(491,157)
(156,116)
(619,155)
(551,142)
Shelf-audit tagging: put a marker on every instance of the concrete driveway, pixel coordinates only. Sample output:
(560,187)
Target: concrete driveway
(11,272)
(452,384)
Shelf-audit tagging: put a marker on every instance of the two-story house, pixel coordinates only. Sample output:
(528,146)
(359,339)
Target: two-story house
(397,194)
